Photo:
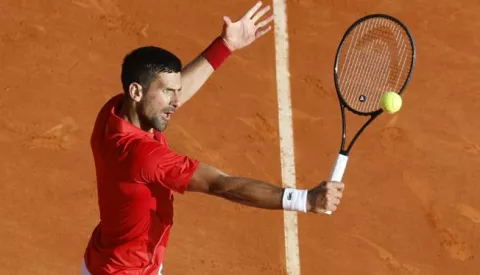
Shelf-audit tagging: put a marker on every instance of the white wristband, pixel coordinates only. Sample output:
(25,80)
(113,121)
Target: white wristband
(295,200)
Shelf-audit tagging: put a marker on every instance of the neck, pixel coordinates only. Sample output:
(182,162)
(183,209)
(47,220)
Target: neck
(128,111)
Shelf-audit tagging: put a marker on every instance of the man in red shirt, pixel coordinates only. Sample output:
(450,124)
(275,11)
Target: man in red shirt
(137,173)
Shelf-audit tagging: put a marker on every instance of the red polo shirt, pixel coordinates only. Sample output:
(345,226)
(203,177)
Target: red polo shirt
(136,176)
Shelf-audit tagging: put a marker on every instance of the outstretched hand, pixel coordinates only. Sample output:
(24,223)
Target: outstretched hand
(243,32)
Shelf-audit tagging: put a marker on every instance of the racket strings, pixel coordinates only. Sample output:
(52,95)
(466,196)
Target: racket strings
(378,71)
(368,65)
(377,59)
(354,69)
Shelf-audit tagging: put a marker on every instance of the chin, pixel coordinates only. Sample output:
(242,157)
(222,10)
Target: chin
(159,125)
(161,129)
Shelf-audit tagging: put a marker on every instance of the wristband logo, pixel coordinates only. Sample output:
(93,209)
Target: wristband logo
(289,196)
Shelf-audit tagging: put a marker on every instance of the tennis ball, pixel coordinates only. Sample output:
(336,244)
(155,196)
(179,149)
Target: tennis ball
(391,102)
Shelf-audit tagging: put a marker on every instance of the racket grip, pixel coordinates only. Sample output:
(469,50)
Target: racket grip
(338,170)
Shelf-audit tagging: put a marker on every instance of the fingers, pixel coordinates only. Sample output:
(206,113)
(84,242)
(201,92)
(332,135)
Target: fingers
(262,32)
(333,193)
(265,22)
(340,186)
(261,13)
(331,203)
(334,189)
(262,24)
(253,10)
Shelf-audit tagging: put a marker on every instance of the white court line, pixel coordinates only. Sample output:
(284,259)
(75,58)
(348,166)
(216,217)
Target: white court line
(286,133)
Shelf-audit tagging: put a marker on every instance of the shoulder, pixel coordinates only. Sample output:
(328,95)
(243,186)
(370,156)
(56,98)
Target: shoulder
(147,150)
(155,154)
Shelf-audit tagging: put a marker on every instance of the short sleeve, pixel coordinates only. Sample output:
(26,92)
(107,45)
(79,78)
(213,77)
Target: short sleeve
(160,165)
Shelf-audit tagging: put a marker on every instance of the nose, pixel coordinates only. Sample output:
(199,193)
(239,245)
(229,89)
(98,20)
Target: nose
(174,102)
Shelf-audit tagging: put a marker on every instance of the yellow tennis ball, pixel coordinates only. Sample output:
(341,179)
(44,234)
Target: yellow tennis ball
(391,102)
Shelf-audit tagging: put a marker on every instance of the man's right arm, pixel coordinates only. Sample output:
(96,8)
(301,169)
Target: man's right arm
(159,165)
(255,193)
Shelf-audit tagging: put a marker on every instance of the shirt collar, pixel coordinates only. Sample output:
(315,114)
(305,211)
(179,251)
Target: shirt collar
(117,124)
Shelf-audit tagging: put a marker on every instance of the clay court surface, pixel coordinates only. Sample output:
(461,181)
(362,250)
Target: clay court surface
(412,197)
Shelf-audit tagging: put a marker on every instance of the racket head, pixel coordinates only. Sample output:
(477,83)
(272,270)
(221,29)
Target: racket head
(376,54)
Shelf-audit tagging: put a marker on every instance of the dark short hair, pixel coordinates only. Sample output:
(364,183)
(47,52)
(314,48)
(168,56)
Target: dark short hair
(143,64)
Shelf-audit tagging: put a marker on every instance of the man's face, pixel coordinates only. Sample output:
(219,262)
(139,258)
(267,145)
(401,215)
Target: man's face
(160,101)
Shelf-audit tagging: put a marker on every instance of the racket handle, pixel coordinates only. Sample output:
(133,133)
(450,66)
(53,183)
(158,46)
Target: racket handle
(338,170)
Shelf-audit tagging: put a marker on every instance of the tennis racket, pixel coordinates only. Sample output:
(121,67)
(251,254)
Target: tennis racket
(376,55)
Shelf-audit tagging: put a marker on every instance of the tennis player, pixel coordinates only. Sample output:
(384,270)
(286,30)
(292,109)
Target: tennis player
(137,173)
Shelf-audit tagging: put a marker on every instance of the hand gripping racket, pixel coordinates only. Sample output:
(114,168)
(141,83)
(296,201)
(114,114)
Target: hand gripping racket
(376,55)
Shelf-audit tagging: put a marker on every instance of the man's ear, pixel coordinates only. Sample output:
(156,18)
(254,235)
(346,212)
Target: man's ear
(135,91)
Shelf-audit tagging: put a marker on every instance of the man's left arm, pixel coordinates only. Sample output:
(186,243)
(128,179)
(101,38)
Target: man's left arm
(234,36)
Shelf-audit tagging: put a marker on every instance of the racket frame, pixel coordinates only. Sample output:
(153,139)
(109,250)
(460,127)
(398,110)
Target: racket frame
(342,158)
(373,115)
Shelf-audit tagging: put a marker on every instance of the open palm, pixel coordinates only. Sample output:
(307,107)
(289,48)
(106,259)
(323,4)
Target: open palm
(243,32)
